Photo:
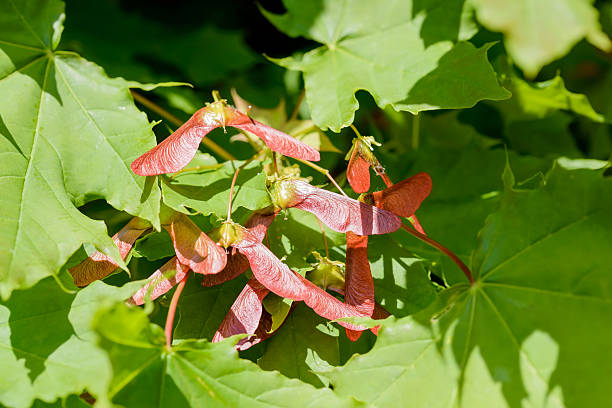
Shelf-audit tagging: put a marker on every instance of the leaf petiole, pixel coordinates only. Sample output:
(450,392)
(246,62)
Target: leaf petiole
(172,310)
(441,248)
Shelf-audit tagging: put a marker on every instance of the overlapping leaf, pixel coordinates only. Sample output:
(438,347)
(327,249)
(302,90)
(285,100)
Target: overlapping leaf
(47,348)
(402,52)
(532,330)
(402,284)
(303,346)
(539,31)
(67,136)
(466,171)
(193,373)
(207,190)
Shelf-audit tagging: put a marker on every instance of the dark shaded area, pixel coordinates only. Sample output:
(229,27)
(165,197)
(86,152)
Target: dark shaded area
(39,323)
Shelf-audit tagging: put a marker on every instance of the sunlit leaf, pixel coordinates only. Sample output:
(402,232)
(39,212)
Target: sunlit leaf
(196,373)
(528,331)
(47,348)
(68,135)
(402,52)
(539,31)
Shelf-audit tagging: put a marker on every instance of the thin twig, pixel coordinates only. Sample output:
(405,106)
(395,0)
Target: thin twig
(323,171)
(296,108)
(415,131)
(203,167)
(442,249)
(274,163)
(324,238)
(356,131)
(178,122)
(172,310)
(231,194)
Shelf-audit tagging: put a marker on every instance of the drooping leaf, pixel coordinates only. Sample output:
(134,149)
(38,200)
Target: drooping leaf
(47,348)
(532,100)
(403,53)
(303,346)
(194,373)
(528,331)
(68,135)
(539,31)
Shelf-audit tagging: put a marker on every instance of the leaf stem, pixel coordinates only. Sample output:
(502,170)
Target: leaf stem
(442,249)
(356,131)
(296,108)
(324,172)
(231,194)
(324,238)
(203,167)
(416,126)
(274,163)
(386,179)
(215,148)
(172,310)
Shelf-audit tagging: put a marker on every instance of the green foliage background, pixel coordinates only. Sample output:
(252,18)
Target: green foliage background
(505,105)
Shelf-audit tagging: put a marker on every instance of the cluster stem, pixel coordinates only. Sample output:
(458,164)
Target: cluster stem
(172,310)
(441,248)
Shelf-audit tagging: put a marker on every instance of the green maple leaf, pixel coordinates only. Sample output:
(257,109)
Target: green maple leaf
(533,330)
(47,348)
(402,284)
(304,345)
(542,99)
(193,373)
(202,309)
(465,169)
(404,54)
(67,136)
(206,190)
(539,31)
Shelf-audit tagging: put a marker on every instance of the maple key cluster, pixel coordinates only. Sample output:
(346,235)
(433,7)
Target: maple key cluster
(231,249)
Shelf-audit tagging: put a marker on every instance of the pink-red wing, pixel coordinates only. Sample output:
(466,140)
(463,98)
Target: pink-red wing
(269,270)
(245,313)
(236,265)
(405,197)
(257,225)
(275,139)
(341,213)
(158,284)
(98,265)
(358,172)
(278,278)
(193,247)
(176,151)
(358,282)
(417,224)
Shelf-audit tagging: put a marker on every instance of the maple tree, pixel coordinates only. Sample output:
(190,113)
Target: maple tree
(383,203)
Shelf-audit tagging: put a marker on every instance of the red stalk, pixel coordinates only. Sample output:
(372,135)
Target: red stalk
(442,249)
(172,310)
